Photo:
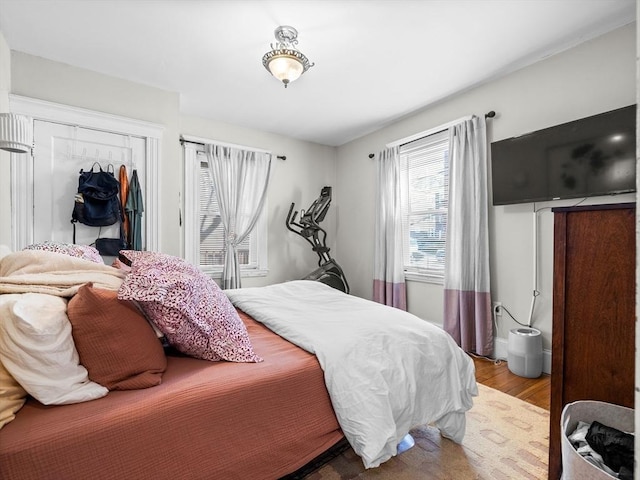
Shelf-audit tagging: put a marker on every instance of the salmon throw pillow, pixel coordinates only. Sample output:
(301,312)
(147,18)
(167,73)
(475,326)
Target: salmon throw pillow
(115,342)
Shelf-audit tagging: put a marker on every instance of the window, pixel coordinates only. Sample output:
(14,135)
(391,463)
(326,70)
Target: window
(204,233)
(425,168)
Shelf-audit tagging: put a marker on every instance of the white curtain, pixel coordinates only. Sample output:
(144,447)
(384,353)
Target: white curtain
(467,296)
(388,281)
(240,178)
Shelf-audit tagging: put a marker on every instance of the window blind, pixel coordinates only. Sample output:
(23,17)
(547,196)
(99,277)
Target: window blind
(212,248)
(425,201)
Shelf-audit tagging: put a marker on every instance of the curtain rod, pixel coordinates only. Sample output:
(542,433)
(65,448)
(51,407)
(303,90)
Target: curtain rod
(417,136)
(204,141)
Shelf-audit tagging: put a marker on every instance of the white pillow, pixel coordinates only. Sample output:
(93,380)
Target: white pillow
(37,349)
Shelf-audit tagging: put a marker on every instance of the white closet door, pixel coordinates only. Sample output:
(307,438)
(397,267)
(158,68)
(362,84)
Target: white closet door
(61,151)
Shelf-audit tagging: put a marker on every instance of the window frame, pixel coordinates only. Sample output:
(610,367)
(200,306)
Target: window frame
(193,149)
(411,138)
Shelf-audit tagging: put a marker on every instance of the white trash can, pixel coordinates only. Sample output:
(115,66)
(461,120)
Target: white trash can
(574,466)
(524,352)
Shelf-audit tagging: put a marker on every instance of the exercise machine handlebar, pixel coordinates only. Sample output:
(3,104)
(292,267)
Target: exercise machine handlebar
(307,226)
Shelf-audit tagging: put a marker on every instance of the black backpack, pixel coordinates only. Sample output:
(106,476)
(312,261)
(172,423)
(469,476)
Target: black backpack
(96,202)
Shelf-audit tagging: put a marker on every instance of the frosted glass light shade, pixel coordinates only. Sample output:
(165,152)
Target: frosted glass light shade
(16,133)
(285,61)
(285,68)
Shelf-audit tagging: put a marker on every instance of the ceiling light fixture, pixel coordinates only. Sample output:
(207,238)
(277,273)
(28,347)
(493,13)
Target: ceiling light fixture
(285,61)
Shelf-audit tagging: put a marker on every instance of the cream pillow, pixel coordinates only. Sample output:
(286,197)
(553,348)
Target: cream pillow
(4,251)
(37,349)
(12,396)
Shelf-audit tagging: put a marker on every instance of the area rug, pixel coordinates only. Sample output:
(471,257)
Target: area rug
(506,439)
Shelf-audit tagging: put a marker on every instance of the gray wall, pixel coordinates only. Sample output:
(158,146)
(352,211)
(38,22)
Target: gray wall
(82,88)
(299,179)
(5,171)
(591,78)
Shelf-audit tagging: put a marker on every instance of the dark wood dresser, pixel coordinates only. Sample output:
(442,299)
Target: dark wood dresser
(593,340)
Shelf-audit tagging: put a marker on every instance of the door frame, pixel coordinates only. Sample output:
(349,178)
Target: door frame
(22,166)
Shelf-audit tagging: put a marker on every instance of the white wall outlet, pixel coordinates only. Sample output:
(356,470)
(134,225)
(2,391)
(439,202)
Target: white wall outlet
(497,309)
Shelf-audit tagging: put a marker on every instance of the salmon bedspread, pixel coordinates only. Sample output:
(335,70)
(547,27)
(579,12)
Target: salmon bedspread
(207,420)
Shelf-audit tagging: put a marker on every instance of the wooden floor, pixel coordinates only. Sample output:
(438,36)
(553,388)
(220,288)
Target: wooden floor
(498,376)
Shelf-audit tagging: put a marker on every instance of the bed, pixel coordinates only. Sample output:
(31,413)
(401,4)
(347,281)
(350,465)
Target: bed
(386,370)
(259,419)
(213,420)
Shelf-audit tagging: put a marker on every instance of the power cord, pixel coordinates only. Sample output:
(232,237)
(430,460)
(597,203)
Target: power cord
(512,317)
(495,361)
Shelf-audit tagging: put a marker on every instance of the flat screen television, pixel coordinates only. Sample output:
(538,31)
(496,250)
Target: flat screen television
(584,158)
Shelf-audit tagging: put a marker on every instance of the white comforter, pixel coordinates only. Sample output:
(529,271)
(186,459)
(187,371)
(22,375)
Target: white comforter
(386,370)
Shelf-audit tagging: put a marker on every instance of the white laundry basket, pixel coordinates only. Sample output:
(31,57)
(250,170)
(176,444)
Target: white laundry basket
(574,467)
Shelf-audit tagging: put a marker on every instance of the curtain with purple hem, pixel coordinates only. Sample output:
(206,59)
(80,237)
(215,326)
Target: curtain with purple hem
(388,270)
(396,292)
(470,331)
(467,294)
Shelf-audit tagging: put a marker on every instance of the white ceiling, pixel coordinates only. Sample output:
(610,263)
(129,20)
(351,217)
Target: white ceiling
(375,60)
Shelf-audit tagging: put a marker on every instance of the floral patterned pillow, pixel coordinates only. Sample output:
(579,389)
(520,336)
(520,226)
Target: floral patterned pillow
(87,252)
(187,306)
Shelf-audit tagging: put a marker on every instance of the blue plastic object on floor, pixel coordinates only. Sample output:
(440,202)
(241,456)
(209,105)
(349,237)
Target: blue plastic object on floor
(406,443)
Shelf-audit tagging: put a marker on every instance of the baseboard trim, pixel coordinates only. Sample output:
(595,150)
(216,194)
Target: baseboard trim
(500,350)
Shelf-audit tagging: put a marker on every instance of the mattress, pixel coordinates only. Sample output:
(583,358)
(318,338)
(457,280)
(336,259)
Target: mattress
(213,420)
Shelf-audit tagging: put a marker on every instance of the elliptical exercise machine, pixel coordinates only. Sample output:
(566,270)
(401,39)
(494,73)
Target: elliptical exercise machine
(328,271)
